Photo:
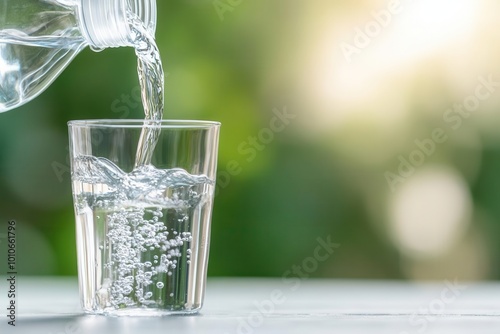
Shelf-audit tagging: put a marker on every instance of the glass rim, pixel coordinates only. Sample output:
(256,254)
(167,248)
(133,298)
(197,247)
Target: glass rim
(141,123)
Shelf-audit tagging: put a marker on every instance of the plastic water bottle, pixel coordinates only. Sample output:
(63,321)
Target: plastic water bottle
(39,38)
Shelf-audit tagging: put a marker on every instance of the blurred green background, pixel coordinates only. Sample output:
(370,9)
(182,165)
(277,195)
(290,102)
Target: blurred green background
(361,103)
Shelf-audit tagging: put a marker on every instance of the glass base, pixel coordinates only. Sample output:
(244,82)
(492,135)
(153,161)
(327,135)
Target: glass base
(142,312)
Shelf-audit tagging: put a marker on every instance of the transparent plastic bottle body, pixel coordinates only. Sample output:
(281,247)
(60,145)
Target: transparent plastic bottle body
(38,39)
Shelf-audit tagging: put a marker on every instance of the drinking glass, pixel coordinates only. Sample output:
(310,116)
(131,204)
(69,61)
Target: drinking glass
(143,194)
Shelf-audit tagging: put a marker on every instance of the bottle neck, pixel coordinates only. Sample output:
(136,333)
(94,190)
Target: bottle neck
(105,23)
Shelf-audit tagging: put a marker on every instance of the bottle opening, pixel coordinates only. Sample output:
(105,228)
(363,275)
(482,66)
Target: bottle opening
(105,24)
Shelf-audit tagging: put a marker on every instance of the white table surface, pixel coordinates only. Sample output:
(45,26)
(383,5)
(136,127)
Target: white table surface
(51,306)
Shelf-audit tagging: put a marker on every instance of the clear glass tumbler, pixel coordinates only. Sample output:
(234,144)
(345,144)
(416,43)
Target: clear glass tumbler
(143,219)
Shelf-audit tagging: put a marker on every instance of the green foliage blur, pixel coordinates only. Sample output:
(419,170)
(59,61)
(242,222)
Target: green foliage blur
(322,175)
